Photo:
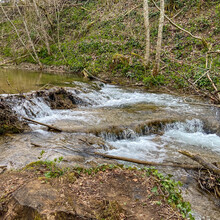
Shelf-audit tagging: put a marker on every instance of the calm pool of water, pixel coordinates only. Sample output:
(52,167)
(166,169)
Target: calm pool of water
(20,81)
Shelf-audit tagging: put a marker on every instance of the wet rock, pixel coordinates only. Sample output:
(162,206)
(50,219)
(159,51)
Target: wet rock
(131,131)
(212,126)
(60,98)
(36,201)
(9,122)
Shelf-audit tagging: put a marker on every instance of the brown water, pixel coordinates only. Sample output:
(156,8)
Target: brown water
(20,81)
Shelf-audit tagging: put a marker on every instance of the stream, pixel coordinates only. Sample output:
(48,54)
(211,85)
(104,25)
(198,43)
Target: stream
(108,123)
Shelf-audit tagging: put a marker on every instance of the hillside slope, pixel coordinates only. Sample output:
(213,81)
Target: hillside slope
(108,38)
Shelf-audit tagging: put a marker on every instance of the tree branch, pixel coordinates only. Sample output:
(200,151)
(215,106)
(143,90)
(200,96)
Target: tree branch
(205,43)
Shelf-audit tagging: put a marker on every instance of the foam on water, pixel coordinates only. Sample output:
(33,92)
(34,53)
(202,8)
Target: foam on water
(108,96)
(67,115)
(191,133)
(186,133)
(111,96)
(143,148)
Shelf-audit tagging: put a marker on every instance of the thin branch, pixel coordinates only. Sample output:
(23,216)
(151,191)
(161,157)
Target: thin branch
(128,12)
(147,32)
(217,51)
(19,37)
(29,37)
(201,77)
(182,29)
(149,163)
(213,85)
(42,27)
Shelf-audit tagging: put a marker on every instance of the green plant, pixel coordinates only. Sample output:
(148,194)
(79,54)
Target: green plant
(155,80)
(41,154)
(172,192)
(49,168)
(54,171)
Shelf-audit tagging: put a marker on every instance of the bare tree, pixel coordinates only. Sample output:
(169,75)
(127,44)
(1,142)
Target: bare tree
(43,30)
(28,35)
(17,32)
(159,39)
(147,32)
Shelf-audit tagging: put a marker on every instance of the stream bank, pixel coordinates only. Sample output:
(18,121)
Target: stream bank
(115,121)
(104,192)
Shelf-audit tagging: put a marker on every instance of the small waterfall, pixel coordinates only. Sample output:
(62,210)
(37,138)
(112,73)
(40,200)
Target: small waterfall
(32,108)
(190,126)
(35,106)
(119,135)
(191,133)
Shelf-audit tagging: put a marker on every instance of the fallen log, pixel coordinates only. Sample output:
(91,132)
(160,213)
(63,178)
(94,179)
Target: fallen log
(46,125)
(87,74)
(149,163)
(201,161)
(3,166)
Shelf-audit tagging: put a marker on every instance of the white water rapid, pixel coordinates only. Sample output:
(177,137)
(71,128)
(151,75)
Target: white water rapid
(109,98)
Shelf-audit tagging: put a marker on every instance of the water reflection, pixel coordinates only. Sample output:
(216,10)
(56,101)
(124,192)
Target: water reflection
(20,81)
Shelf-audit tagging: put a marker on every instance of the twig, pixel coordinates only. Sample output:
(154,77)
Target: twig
(87,74)
(182,29)
(200,77)
(178,13)
(217,51)
(128,12)
(213,85)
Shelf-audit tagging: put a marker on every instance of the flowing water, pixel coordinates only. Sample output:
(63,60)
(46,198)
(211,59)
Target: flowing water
(108,123)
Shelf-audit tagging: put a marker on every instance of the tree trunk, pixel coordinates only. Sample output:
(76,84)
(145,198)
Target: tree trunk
(159,39)
(147,32)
